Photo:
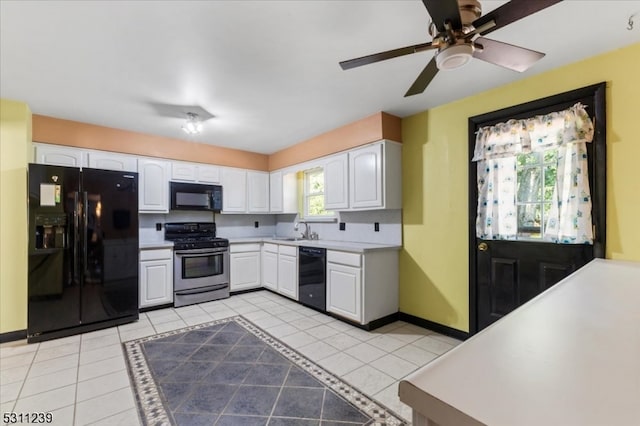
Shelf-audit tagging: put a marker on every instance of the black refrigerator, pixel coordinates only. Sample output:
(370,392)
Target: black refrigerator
(83,250)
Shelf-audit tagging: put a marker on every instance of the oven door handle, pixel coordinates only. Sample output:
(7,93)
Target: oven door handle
(199,252)
(202,289)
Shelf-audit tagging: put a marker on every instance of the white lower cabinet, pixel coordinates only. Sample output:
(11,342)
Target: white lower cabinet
(156,277)
(344,291)
(362,288)
(288,271)
(280,269)
(244,266)
(270,266)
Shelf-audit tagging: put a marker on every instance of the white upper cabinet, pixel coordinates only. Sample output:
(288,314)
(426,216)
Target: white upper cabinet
(183,171)
(336,182)
(283,192)
(193,172)
(365,177)
(153,186)
(375,176)
(208,174)
(112,161)
(245,191)
(57,155)
(275,192)
(234,192)
(258,192)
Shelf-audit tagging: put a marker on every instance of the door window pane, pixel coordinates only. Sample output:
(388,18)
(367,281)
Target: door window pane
(529,184)
(536,174)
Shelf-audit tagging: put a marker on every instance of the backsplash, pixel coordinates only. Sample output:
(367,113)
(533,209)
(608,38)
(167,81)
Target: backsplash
(359,226)
(228,226)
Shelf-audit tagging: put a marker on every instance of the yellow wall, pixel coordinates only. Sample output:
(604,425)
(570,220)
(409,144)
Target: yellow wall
(434,263)
(15,148)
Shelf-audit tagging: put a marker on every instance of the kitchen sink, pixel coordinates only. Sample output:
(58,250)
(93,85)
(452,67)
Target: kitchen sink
(287,239)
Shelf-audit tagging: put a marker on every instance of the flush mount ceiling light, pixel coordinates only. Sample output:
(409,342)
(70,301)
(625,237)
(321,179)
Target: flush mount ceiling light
(193,126)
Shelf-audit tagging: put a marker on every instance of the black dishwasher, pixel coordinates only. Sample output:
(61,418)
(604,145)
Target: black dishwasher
(312,270)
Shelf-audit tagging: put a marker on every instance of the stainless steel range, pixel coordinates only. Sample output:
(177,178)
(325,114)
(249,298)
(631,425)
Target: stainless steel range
(201,262)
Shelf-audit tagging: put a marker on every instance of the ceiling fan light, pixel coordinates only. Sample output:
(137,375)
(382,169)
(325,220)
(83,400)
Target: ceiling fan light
(454,56)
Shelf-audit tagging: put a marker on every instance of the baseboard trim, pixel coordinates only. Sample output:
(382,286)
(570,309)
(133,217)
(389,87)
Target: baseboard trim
(155,307)
(434,326)
(12,336)
(248,290)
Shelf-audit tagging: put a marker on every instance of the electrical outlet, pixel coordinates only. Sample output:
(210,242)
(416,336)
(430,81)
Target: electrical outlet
(343,226)
(376,227)
(158,226)
(256,224)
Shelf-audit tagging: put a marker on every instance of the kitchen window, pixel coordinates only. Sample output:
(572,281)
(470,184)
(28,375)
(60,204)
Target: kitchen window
(313,195)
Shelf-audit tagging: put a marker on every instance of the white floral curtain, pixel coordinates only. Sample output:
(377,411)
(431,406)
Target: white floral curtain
(497,217)
(569,221)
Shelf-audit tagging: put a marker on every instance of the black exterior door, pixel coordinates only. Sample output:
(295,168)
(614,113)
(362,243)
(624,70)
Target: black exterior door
(510,273)
(503,275)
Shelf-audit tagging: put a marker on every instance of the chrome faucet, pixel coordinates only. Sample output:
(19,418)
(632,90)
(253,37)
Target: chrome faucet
(305,234)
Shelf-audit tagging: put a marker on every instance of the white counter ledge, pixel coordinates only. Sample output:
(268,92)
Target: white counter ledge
(571,356)
(328,244)
(147,245)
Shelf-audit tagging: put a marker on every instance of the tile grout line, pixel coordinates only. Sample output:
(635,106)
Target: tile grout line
(15,402)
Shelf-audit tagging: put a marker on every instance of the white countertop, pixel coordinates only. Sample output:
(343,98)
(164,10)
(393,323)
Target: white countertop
(328,244)
(333,245)
(571,356)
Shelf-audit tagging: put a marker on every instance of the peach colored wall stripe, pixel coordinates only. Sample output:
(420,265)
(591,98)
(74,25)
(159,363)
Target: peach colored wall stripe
(370,129)
(391,127)
(73,133)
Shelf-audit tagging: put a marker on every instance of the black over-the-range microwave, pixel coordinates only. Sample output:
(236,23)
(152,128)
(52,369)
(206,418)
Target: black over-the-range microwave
(196,196)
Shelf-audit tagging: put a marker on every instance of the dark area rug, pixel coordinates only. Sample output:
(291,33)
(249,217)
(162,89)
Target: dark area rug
(231,372)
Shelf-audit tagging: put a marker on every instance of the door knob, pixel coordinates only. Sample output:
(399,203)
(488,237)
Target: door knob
(483,246)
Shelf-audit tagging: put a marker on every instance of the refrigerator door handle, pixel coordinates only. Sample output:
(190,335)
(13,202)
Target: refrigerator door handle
(76,235)
(85,225)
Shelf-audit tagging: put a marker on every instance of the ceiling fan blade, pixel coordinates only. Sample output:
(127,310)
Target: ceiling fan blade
(423,79)
(511,12)
(441,11)
(506,55)
(376,57)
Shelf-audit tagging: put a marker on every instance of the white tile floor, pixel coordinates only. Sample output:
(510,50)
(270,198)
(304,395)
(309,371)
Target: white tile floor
(83,380)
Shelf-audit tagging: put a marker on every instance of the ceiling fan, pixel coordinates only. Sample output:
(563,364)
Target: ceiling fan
(457,30)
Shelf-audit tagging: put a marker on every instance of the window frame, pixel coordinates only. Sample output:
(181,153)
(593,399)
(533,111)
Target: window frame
(307,194)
